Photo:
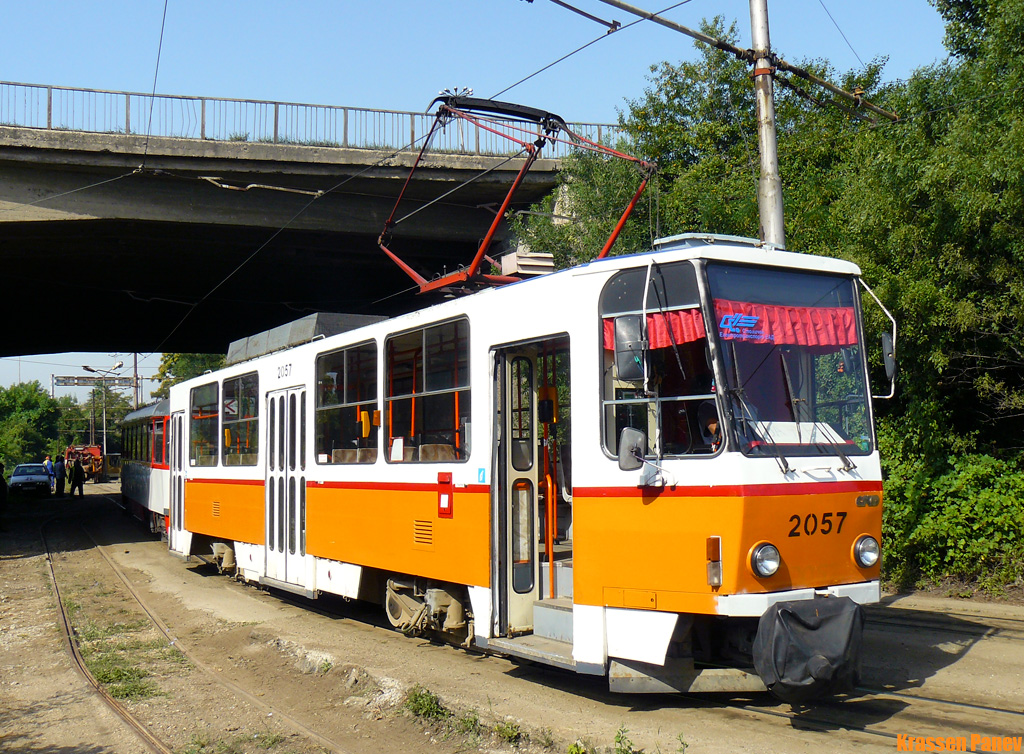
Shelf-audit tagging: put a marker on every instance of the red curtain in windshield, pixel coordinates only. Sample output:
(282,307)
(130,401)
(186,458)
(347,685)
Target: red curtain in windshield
(684,326)
(787,325)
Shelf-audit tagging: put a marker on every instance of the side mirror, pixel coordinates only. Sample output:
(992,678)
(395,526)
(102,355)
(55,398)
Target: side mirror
(888,356)
(632,445)
(629,348)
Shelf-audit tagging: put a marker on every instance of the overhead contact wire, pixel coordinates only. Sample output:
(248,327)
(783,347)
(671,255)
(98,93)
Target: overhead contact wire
(582,48)
(156,73)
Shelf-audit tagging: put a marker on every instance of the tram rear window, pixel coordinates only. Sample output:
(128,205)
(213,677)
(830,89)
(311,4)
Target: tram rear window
(346,394)
(427,394)
(240,415)
(203,421)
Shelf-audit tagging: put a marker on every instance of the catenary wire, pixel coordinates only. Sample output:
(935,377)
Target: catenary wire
(583,47)
(841,32)
(156,72)
(68,193)
(278,232)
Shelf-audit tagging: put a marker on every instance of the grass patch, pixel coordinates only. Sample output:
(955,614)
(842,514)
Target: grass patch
(425,704)
(121,679)
(468,724)
(269,740)
(622,743)
(509,732)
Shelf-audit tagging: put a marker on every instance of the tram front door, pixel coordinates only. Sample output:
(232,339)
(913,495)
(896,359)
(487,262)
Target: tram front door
(286,485)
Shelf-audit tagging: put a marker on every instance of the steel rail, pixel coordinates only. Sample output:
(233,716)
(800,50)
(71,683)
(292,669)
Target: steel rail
(226,683)
(68,634)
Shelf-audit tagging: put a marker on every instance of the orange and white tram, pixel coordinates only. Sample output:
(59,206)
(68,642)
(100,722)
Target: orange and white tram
(660,468)
(145,468)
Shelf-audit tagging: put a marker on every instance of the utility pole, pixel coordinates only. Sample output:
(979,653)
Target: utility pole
(769,186)
(769,192)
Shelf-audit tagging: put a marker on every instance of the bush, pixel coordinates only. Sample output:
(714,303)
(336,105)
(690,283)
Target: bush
(974,526)
(950,512)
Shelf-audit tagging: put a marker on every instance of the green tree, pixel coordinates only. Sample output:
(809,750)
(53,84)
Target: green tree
(178,367)
(934,212)
(28,423)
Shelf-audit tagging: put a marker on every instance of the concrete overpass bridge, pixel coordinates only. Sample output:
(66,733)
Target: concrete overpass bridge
(228,218)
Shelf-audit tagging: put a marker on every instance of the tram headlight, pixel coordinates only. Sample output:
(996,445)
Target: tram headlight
(866,551)
(765,560)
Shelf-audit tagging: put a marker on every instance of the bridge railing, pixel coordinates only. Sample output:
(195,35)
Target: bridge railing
(260,121)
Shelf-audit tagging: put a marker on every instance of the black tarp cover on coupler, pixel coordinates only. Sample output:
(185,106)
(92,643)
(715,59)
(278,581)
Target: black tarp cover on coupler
(809,649)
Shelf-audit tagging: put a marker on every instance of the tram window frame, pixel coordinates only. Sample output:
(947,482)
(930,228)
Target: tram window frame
(668,418)
(427,393)
(160,441)
(204,427)
(245,389)
(346,386)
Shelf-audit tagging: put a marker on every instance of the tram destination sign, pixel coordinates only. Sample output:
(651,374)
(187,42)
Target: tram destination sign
(83,381)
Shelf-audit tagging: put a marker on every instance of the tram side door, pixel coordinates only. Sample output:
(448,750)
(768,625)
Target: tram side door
(176,448)
(286,485)
(516,517)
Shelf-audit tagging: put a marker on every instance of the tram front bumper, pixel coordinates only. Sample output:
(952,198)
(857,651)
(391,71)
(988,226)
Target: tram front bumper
(809,649)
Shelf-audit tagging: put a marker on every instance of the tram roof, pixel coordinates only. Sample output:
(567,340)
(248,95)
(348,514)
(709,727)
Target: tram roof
(730,249)
(159,408)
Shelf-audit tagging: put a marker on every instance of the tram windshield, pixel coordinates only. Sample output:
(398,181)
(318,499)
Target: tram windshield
(794,370)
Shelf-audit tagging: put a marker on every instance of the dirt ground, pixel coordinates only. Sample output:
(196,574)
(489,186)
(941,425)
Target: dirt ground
(344,675)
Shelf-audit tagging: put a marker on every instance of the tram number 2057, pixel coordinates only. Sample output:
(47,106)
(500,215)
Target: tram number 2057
(810,524)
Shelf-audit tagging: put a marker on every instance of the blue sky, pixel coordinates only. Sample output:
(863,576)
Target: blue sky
(397,55)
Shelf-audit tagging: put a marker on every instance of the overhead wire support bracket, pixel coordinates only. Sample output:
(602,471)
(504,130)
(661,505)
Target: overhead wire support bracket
(748,56)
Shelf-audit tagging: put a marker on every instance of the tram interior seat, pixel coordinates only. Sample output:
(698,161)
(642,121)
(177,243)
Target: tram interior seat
(438,452)
(240,459)
(366,455)
(343,455)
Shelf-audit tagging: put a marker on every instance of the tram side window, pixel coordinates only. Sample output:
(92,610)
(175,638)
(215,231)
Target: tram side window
(676,409)
(159,454)
(203,421)
(240,416)
(427,394)
(347,417)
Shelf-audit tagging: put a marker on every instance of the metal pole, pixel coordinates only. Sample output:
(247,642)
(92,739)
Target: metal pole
(135,379)
(769,188)
(103,387)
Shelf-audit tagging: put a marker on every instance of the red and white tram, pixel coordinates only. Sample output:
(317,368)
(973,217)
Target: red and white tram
(145,469)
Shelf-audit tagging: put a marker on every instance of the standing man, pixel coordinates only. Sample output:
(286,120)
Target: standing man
(49,470)
(60,474)
(78,479)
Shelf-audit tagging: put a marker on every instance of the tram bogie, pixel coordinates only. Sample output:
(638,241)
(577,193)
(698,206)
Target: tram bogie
(616,469)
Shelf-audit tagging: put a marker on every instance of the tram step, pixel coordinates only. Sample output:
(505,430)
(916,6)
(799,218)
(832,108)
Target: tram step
(563,578)
(552,619)
(536,648)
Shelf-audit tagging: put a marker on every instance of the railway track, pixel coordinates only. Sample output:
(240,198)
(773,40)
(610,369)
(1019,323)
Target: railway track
(146,736)
(960,624)
(874,715)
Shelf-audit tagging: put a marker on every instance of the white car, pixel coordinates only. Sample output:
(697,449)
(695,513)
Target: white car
(30,479)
